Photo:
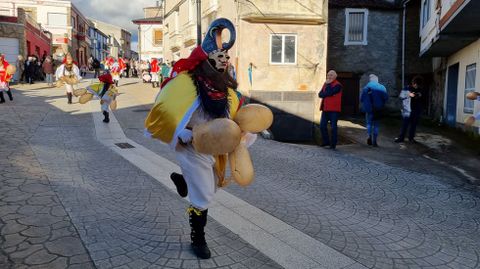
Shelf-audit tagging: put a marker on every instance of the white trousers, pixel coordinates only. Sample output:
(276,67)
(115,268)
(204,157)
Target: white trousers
(69,88)
(106,102)
(197,169)
(154,77)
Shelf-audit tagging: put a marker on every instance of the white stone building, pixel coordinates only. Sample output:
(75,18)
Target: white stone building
(150,33)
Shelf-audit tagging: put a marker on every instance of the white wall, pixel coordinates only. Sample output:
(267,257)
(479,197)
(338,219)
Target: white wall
(467,56)
(147,49)
(42,13)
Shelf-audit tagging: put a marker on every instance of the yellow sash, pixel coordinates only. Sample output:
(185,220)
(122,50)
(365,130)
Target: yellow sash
(174,107)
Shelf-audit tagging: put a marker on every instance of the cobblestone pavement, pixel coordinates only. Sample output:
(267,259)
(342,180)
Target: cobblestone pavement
(380,216)
(36,231)
(124,218)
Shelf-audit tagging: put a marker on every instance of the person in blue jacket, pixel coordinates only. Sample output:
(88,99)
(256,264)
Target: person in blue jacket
(373,98)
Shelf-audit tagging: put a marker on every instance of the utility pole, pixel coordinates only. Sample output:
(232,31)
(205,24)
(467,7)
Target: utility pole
(199,22)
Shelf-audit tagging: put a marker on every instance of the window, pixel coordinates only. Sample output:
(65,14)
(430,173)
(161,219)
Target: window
(425,12)
(57,19)
(356,23)
(470,74)
(283,49)
(157,37)
(74,25)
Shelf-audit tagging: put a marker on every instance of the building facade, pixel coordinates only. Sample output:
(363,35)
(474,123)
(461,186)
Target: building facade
(450,37)
(150,33)
(61,18)
(279,54)
(120,40)
(98,43)
(21,35)
(364,39)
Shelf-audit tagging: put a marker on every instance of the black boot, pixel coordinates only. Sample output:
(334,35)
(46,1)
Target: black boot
(9,93)
(69,97)
(369,141)
(107,117)
(180,183)
(153,84)
(2,99)
(198,220)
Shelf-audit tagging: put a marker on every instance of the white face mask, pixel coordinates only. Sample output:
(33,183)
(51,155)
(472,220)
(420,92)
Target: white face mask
(221,59)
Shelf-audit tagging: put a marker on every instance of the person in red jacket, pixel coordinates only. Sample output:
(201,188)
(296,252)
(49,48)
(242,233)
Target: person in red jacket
(331,105)
(154,70)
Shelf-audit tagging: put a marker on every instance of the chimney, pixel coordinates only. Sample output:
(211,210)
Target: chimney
(158,3)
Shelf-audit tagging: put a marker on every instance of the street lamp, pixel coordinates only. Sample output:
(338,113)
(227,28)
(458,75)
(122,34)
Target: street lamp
(199,22)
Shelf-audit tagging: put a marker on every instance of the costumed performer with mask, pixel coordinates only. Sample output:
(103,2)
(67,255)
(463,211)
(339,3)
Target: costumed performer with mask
(103,90)
(116,70)
(154,70)
(6,73)
(193,113)
(68,74)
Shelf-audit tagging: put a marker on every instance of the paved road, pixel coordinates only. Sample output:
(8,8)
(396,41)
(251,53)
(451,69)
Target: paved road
(96,209)
(381,216)
(118,216)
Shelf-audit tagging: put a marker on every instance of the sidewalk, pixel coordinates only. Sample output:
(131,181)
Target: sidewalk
(440,151)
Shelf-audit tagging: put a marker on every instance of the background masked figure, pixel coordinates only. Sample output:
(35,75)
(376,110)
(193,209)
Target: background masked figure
(6,73)
(68,74)
(202,91)
(107,95)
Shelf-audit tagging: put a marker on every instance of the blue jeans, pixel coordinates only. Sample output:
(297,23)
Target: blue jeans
(372,126)
(332,117)
(49,78)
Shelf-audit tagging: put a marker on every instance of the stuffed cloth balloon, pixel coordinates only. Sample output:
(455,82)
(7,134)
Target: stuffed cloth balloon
(85,98)
(11,69)
(241,166)
(216,137)
(472,95)
(254,118)
(79,92)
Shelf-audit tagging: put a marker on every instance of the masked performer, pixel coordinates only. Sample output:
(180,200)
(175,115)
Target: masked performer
(154,70)
(202,92)
(68,74)
(116,70)
(6,73)
(103,90)
(193,113)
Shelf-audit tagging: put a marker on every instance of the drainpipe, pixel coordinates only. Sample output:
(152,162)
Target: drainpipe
(403,40)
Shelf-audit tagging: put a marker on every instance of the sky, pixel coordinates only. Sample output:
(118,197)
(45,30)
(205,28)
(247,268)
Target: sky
(117,12)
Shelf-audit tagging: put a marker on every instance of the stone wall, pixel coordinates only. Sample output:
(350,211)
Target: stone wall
(14,30)
(382,55)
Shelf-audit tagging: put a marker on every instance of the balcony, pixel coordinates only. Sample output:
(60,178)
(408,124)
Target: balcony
(175,43)
(456,29)
(307,12)
(189,35)
(211,7)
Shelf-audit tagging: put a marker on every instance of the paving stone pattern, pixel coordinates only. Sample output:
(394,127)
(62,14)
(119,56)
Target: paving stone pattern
(380,216)
(36,231)
(124,218)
